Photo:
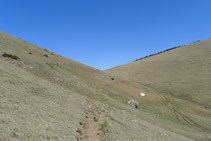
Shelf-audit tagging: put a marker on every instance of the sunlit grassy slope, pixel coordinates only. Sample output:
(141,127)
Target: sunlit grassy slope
(183,72)
(44,96)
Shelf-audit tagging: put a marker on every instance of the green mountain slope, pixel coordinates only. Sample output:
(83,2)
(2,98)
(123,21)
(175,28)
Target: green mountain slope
(184,72)
(44,96)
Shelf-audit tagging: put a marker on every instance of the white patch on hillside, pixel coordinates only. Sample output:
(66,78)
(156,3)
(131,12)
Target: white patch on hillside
(142,94)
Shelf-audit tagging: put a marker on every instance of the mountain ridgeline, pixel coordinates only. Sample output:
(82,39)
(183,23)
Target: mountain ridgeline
(162,51)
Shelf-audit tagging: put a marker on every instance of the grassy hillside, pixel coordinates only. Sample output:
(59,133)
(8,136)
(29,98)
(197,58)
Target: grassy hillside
(183,72)
(44,96)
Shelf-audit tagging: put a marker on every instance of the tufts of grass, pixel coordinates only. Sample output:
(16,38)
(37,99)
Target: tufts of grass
(104,128)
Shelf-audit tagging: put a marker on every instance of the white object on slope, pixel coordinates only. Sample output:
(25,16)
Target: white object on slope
(142,94)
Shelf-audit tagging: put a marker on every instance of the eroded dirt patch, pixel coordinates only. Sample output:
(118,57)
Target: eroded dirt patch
(90,128)
(93,131)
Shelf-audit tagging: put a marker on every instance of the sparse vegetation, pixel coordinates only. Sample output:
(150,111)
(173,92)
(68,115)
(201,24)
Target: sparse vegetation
(45,55)
(11,56)
(104,128)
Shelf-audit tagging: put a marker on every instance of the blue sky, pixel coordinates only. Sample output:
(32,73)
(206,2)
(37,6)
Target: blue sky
(106,33)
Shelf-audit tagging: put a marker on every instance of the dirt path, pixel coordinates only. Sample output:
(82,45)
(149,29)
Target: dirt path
(94,122)
(93,130)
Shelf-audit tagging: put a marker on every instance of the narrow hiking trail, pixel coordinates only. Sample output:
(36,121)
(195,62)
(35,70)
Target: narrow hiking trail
(95,119)
(93,130)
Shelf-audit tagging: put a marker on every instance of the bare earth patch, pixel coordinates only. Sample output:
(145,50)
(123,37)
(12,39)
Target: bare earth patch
(93,131)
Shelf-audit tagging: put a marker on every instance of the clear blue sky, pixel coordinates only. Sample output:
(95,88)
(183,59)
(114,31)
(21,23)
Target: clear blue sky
(106,33)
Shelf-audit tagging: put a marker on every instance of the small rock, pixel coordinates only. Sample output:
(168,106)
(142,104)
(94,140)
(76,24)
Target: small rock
(56,79)
(14,135)
(31,67)
(77,138)
(89,106)
(83,124)
(133,103)
(79,131)
(134,120)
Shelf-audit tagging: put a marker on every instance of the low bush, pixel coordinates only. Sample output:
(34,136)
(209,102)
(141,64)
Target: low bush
(45,50)
(11,56)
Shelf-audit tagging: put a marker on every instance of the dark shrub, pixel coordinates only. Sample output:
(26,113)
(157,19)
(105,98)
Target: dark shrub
(30,53)
(45,50)
(11,56)
(158,53)
(45,55)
